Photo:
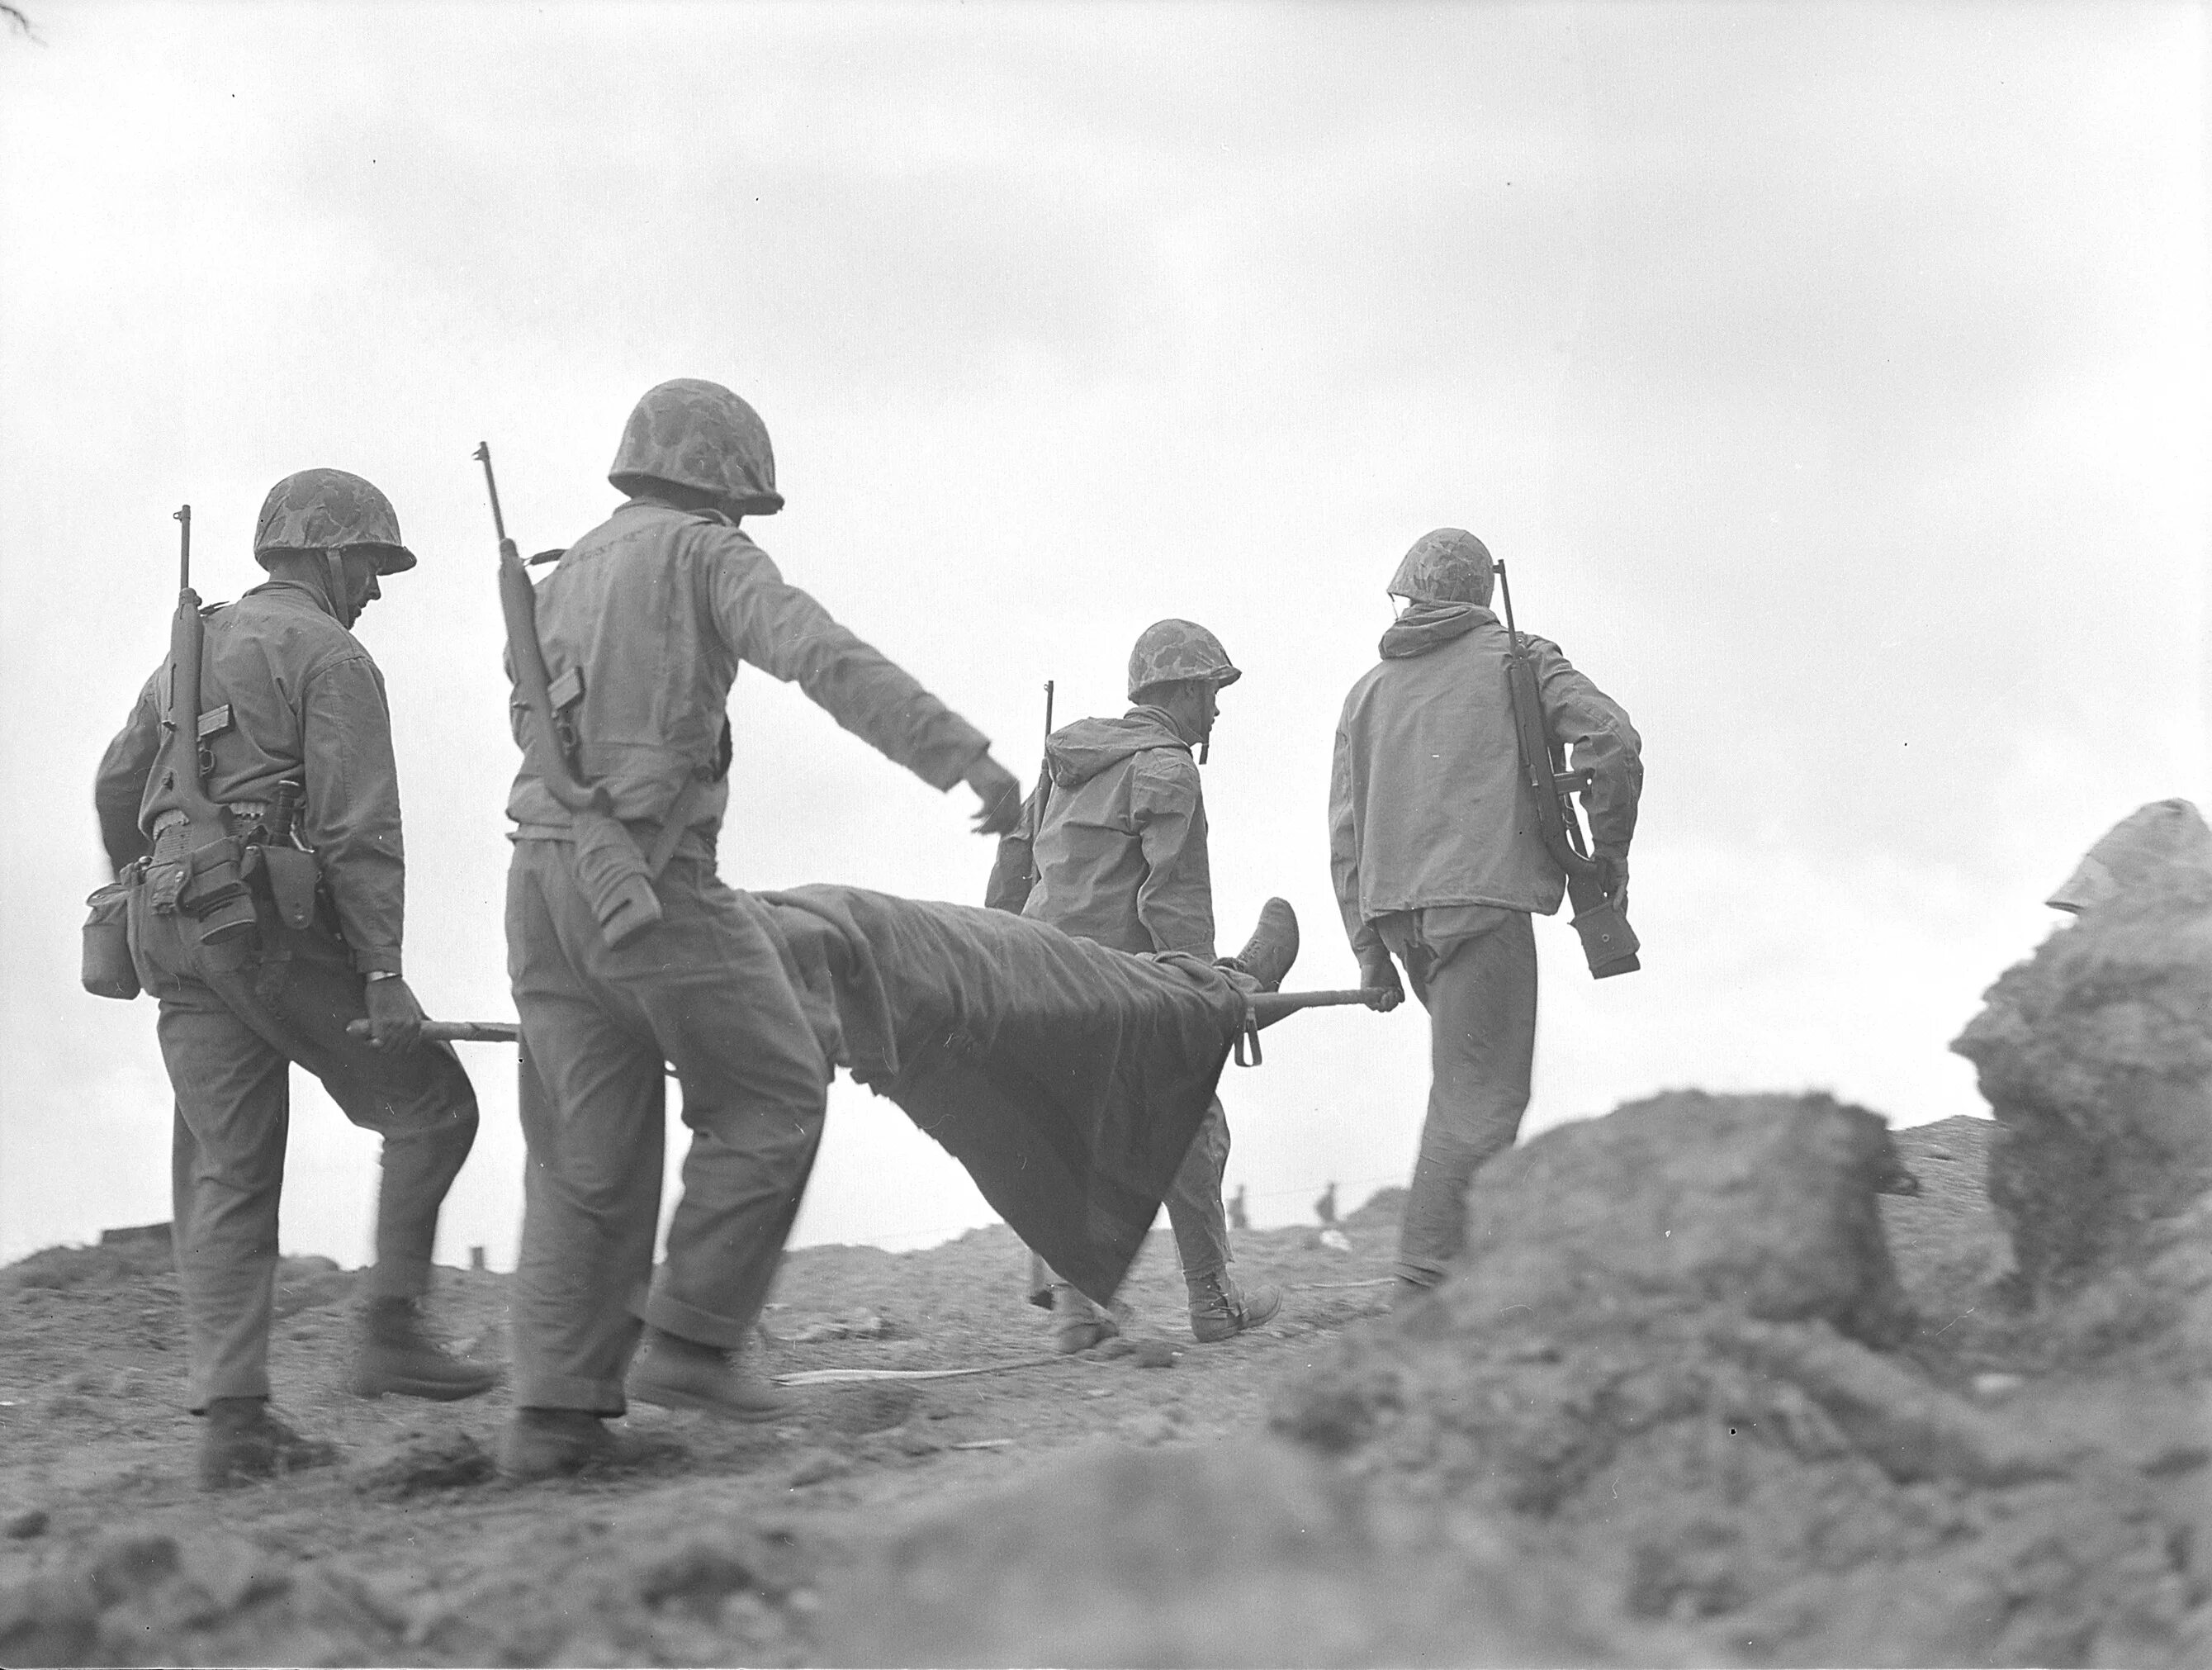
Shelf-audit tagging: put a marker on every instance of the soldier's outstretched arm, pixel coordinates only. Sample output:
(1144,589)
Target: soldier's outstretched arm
(783,631)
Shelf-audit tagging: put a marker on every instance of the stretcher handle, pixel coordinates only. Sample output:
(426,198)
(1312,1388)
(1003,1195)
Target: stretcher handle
(1264,1008)
(457,1031)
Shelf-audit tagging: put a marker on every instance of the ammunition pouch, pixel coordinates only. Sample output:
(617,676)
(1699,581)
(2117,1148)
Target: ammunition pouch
(109,970)
(1609,944)
(614,876)
(207,884)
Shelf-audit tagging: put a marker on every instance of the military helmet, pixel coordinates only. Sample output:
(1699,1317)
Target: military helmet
(2167,836)
(330,510)
(1171,649)
(699,435)
(1449,565)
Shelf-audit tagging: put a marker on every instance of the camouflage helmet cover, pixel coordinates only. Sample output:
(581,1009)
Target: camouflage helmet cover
(1168,650)
(330,510)
(1449,565)
(698,434)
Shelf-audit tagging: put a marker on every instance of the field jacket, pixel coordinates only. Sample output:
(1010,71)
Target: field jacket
(644,624)
(1427,804)
(1114,839)
(306,702)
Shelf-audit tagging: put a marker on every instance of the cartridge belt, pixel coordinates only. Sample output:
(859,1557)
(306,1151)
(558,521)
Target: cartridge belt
(242,812)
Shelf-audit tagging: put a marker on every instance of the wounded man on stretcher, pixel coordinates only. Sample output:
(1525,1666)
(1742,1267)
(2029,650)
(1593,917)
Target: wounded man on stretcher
(1069,1079)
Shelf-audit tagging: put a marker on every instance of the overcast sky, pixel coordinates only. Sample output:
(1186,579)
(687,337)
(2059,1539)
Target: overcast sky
(1834,379)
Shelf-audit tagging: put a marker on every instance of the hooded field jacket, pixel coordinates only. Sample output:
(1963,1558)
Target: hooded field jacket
(1118,853)
(644,624)
(1427,806)
(306,702)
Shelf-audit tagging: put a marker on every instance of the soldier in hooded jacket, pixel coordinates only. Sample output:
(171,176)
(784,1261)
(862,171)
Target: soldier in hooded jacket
(1112,847)
(288,695)
(1437,860)
(644,624)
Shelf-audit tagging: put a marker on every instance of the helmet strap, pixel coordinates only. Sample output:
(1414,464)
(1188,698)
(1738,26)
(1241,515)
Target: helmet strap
(335,565)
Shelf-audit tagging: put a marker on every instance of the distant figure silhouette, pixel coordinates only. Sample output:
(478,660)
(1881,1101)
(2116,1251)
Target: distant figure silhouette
(1236,1218)
(1325,1208)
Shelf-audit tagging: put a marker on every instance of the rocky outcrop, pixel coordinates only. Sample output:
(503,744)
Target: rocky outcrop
(2095,1056)
(1765,1203)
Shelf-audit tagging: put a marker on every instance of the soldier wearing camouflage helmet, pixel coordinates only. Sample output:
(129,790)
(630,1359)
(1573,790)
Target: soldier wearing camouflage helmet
(290,696)
(1112,847)
(645,624)
(1437,859)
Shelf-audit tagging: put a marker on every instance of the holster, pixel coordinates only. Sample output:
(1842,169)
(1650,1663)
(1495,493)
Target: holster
(109,970)
(290,877)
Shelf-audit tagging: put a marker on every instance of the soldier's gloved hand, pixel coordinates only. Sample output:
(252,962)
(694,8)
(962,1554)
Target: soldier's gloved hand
(395,1019)
(1000,793)
(1378,973)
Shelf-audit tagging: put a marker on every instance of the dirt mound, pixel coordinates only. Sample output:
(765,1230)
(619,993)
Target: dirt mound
(2096,1056)
(1246,1554)
(1646,1367)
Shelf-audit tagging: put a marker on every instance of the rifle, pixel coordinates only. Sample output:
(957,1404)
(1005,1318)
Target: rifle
(1609,944)
(615,876)
(209,883)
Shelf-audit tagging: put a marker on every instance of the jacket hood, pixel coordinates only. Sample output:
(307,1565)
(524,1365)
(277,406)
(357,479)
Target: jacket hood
(1427,627)
(1077,752)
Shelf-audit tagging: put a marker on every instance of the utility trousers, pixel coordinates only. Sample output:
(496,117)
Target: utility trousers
(1195,1209)
(1474,968)
(234,1018)
(709,991)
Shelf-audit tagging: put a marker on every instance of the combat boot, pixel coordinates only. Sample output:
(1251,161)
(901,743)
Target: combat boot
(1273,946)
(1220,1309)
(682,1373)
(243,1442)
(1077,1323)
(396,1351)
(552,1443)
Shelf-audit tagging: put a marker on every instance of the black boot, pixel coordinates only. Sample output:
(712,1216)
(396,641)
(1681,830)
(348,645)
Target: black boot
(396,1351)
(243,1442)
(1273,946)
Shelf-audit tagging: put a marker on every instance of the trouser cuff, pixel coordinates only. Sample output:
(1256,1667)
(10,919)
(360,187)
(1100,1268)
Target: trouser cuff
(593,1396)
(673,1316)
(1420,1274)
(1193,1274)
